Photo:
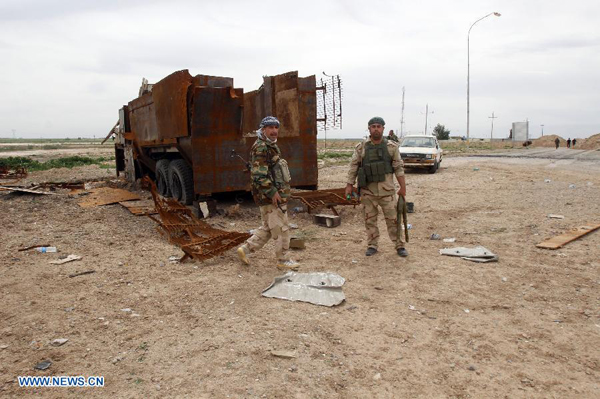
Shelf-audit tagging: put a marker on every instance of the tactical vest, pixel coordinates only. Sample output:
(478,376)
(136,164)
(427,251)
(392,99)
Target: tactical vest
(376,163)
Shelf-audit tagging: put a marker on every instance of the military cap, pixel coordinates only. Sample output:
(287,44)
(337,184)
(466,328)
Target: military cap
(376,119)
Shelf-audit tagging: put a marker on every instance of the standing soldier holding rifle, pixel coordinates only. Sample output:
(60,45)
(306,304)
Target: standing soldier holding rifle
(270,179)
(375,162)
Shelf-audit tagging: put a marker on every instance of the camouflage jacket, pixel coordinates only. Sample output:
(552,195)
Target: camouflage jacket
(265,172)
(393,137)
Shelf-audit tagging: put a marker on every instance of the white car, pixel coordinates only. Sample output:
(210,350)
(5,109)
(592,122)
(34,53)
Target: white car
(421,152)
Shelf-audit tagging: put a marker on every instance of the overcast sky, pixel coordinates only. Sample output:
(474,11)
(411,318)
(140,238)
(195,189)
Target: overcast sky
(68,66)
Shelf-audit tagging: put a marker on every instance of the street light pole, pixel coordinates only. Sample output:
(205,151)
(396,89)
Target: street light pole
(492,131)
(497,14)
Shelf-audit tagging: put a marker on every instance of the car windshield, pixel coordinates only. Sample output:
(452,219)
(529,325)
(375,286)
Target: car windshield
(425,142)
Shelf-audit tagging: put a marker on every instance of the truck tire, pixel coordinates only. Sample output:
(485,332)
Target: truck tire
(434,168)
(181,178)
(162,178)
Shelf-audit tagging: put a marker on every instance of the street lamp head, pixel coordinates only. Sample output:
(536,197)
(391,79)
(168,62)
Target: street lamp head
(497,14)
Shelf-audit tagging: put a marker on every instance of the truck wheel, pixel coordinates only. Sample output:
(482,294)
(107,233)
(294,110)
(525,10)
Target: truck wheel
(181,178)
(162,178)
(434,168)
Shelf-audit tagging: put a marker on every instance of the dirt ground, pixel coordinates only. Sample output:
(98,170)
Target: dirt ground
(427,326)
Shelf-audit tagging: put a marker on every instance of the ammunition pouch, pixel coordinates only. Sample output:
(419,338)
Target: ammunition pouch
(362,178)
(281,172)
(376,163)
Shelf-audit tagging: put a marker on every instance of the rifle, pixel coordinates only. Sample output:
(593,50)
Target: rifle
(246,163)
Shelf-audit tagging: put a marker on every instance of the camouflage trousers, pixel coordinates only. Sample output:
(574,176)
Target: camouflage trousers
(276,226)
(371,212)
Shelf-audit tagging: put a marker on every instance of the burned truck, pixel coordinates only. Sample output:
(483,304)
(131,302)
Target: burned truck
(189,133)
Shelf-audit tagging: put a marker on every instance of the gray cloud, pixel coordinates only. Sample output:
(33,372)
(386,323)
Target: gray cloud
(85,59)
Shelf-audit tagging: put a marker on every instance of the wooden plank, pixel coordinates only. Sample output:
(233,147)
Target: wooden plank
(24,190)
(106,196)
(565,238)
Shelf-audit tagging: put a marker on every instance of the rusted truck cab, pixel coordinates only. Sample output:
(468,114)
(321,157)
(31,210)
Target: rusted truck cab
(183,131)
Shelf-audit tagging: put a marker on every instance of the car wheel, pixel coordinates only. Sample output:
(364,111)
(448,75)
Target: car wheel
(181,178)
(434,168)
(162,178)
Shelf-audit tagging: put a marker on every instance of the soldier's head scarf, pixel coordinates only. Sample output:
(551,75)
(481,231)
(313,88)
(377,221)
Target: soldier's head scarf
(376,119)
(269,121)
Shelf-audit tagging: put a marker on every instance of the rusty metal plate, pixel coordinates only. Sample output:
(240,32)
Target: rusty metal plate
(142,119)
(197,239)
(105,196)
(216,130)
(139,208)
(170,104)
(212,81)
(288,112)
(324,198)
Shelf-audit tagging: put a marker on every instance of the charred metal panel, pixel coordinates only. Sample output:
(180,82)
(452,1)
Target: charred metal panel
(285,81)
(216,129)
(142,119)
(253,110)
(170,104)
(288,112)
(212,81)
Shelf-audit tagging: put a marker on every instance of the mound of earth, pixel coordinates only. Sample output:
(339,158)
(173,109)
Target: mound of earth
(591,143)
(548,141)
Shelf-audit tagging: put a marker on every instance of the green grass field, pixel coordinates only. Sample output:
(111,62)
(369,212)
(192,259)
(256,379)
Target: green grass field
(65,162)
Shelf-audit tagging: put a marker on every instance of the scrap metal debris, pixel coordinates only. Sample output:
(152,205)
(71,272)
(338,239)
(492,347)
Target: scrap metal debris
(197,239)
(43,365)
(7,172)
(106,196)
(139,208)
(478,254)
(565,238)
(325,199)
(76,185)
(316,288)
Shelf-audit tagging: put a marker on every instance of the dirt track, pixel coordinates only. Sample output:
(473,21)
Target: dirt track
(426,326)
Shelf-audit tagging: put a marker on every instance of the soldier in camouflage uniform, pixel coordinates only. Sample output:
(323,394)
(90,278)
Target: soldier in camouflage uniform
(375,162)
(271,189)
(392,136)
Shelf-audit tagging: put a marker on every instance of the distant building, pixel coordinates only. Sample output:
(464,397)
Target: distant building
(520,131)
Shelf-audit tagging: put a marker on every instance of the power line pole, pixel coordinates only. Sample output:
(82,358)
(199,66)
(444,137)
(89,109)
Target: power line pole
(492,132)
(426,116)
(542,130)
(402,117)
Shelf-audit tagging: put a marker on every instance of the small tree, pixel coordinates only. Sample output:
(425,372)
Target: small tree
(441,133)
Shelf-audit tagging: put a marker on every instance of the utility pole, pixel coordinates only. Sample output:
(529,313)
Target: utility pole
(542,130)
(426,116)
(492,132)
(402,117)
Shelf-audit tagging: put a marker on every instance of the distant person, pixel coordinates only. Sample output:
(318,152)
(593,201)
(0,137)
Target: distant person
(574,141)
(557,142)
(569,143)
(392,136)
